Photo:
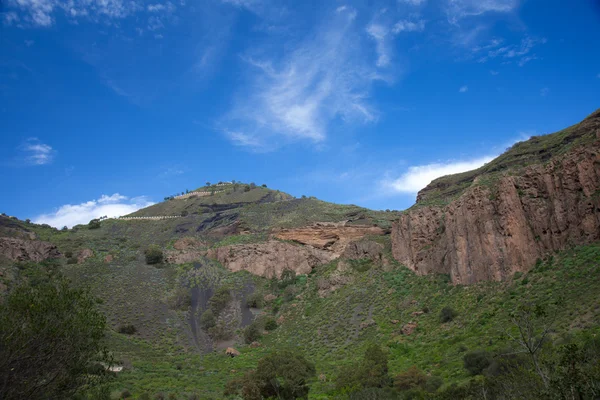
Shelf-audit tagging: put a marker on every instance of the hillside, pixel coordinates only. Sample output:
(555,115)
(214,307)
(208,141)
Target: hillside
(253,268)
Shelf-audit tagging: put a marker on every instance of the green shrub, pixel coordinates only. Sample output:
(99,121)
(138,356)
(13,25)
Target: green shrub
(220,299)
(125,394)
(433,383)
(290,293)
(144,396)
(281,374)
(447,314)
(412,378)
(68,254)
(51,337)
(252,332)
(71,260)
(127,329)
(208,320)
(288,277)
(270,324)
(159,396)
(255,300)
(154,255)
(476,361)
(94,224)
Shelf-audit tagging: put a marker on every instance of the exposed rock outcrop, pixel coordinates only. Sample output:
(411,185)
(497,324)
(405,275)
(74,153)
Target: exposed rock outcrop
(84,254)
(494,230)
(270,258)
(328,236)
(187,249)
(27,250)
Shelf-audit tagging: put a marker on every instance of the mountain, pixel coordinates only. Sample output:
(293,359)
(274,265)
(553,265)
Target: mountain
(245,266)
(540,196)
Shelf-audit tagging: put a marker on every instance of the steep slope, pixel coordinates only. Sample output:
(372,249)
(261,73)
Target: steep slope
(540,196)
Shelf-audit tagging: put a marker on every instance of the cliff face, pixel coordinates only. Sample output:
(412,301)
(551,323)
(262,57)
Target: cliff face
(502,223)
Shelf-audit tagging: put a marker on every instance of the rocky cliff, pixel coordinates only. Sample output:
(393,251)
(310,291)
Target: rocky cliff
(27,250)
(540,196)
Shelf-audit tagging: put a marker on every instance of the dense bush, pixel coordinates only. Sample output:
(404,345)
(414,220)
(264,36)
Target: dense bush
(447,314)
(154,255)
(94,224)
(252,332)
(476,361)
(412,378)
(371,372)
(220,299)
(208,320)
(255,300)
(51,339)
(270,324)
(281,375)
(128,329)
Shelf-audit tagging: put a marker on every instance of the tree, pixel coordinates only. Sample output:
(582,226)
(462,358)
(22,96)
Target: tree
(94,224)
(375,367)
(371,372)
(154,255)
(252,333)
(476,361)
(412,378)
(207,183)
(533,325)
(50,341)
(447,314)
(279,375)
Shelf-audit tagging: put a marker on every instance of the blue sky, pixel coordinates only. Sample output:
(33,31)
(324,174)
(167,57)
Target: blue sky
(109,105)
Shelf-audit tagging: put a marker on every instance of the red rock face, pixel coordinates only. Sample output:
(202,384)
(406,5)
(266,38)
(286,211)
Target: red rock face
(491,232)
(27,250)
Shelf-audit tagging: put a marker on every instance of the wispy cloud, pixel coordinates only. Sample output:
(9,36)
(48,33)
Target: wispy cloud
(544,92)
(409,26)
(463,89)
(521,52)
(295,98)
(34,152)
(412,2)
(112,206)
(41,13)
(459,9)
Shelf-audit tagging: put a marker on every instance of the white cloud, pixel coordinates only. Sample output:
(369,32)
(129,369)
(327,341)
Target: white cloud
(379,33)
(413,2)
(459,9)
(36,152)
(409,26)
(41,13)
(417,177)
(463,89)
(112,206)
(296,97)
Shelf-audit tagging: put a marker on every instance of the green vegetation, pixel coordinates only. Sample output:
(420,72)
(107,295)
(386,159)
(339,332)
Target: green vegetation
(50,341)
(283,375)
(154,255)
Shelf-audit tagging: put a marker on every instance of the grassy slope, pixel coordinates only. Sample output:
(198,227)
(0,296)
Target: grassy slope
(538,149)
(328,330)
